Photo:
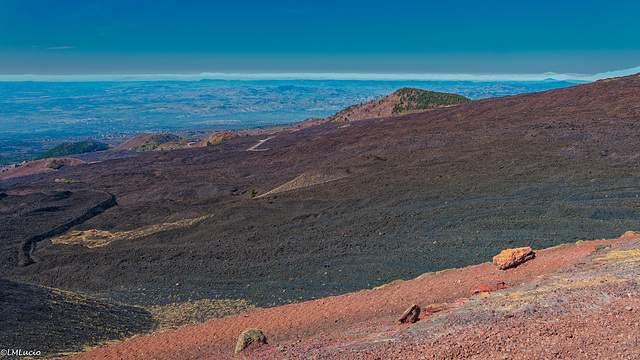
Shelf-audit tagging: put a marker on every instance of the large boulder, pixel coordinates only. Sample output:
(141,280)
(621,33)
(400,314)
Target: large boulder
(248,337)
(411,315)
(511,258)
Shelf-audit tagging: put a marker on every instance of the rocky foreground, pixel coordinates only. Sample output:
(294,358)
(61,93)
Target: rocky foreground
(573,301)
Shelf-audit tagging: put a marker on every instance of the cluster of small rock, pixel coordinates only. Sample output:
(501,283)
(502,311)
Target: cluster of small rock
(507,259)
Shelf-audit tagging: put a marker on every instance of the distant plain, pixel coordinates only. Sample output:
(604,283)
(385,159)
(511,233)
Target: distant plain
(36,116)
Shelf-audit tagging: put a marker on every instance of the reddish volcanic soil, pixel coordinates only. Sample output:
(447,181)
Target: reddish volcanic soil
(363,325)
(39,167)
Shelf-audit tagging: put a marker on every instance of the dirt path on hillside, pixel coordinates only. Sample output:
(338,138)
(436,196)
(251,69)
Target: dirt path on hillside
(260,142)
(344,316)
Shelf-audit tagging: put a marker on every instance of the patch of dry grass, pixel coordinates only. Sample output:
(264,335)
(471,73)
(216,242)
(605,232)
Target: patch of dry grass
(384,286)
(310,178)
(95,238)
(175,315)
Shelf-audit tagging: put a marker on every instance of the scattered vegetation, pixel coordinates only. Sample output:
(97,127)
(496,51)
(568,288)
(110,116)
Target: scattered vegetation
(444,271)
(148,142)
(55,164)
(384,286)
(425,274)
(148,147)
(557,246)
(170,145)
(220,137)
(79,147)
(416,99)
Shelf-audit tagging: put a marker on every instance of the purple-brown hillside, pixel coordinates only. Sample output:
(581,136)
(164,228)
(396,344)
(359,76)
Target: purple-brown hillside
(219,137)
(143,141)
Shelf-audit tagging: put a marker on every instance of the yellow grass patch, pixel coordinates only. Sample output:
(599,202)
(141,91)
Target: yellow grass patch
(623,255)
(311,178)
(175,315)
(384,286)
(95,238)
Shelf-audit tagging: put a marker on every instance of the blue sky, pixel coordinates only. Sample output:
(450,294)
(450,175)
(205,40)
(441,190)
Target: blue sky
(402,36)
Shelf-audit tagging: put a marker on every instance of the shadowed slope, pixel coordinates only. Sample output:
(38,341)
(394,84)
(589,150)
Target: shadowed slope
(57,322)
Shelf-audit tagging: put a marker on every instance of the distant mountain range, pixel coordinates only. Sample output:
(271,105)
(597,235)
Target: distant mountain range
(323,76)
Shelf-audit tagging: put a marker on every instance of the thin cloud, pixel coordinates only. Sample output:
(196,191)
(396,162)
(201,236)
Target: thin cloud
(60,48)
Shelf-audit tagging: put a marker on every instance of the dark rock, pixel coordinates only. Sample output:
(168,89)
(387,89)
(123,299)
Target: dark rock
(411,315)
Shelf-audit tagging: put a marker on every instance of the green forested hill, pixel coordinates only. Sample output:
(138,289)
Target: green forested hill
(79,147)
(417,99)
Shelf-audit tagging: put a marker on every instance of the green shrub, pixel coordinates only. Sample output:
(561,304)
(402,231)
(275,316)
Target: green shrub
(55,164)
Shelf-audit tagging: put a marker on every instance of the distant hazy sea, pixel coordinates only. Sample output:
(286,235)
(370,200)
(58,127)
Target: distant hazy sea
(35,116)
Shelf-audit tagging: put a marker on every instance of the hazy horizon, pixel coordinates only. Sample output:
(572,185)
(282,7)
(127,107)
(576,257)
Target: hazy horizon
(494,77)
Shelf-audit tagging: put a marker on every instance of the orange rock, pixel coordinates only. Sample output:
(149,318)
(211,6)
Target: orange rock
(513,257)
(492,286)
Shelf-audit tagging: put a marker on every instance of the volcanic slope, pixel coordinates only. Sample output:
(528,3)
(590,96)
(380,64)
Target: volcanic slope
(421,192)
(147,142)
(57,322)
